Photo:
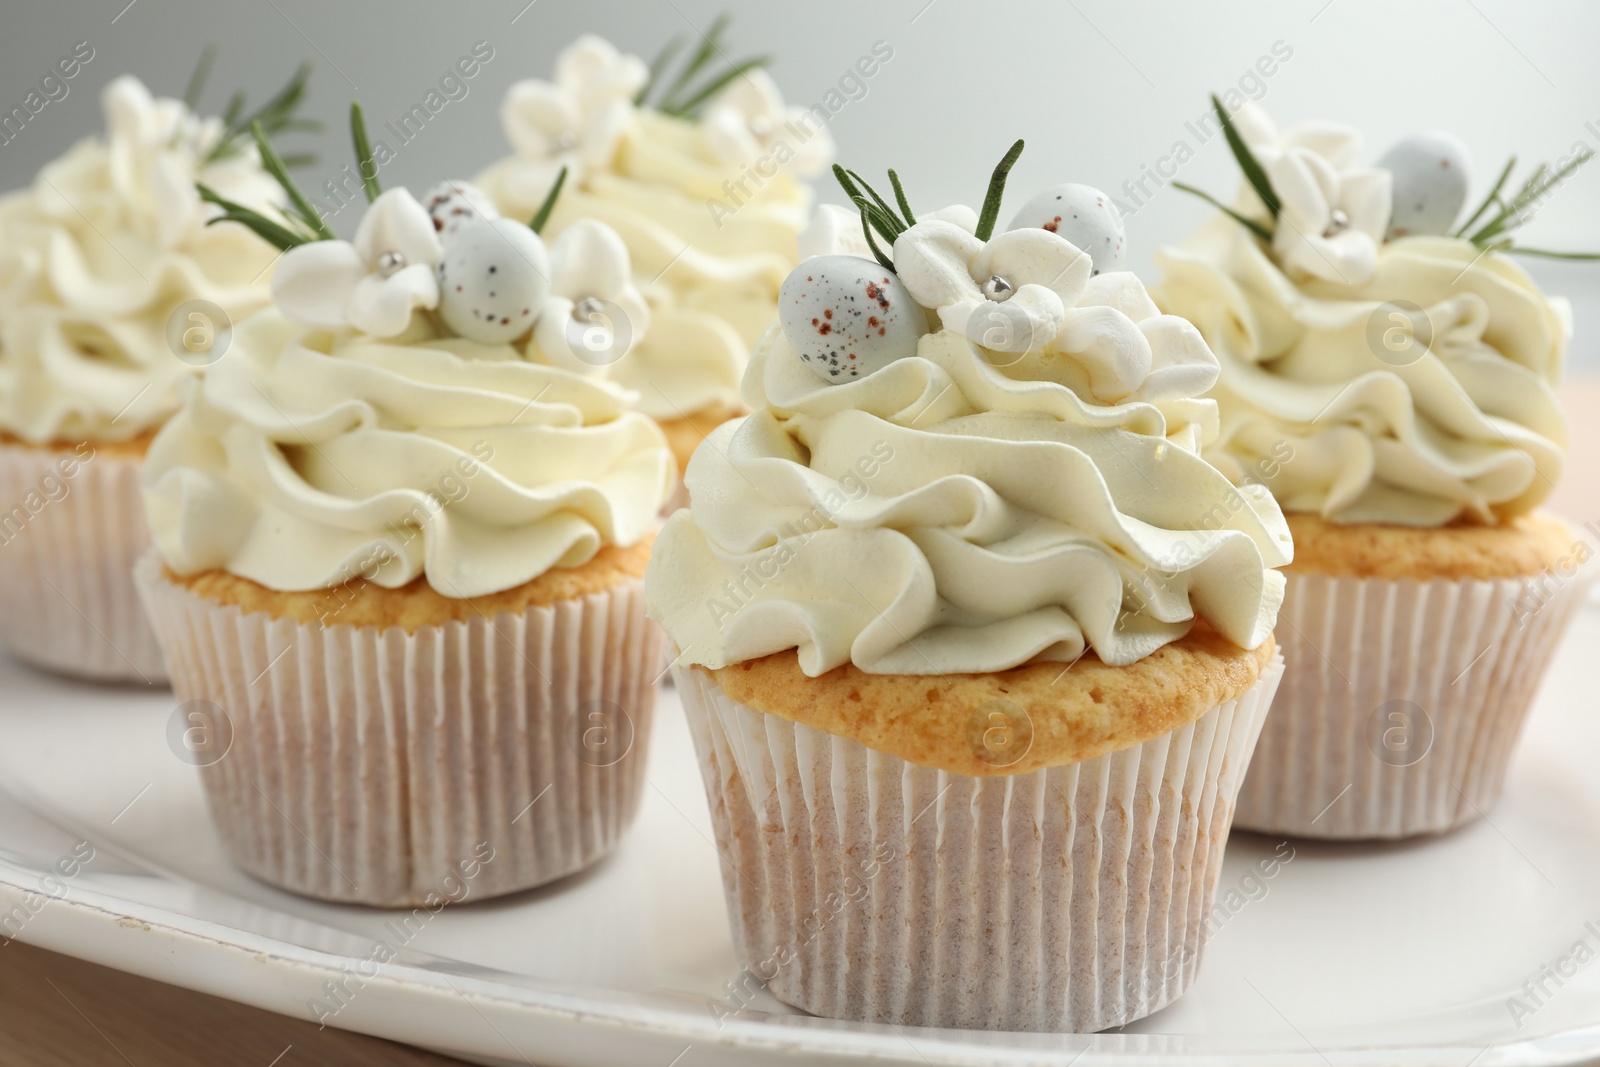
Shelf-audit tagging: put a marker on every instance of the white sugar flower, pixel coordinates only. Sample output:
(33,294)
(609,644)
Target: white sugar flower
(594,314)
(156,150)
(575,121)
(1333,213)
(372,284)
(1009,294)
(748,121)
(1124,349)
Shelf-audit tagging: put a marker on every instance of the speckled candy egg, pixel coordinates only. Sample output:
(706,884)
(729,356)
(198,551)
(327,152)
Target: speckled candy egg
(846,317)
(1431,173)
(453,204)
(493,280)
(1083,215)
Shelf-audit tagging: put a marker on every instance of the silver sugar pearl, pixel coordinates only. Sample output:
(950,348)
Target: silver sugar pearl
(997,288)
(565,141)
(1338,222)
(586,309)
(391,263)
(761,126)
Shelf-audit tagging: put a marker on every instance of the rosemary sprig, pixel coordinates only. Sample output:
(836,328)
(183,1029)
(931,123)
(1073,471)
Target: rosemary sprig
(302,206)
(197,80)
(682,99)
(358,136)
(542,216)
(275,116)
(657,66)
(276,234)
(1514,213)
(873,217)
(1253,172)
(900,197)
(1545,253)
(997,189)
(1250,224)
(1492,198)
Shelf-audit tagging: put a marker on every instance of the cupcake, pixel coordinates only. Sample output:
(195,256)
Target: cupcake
(973,644)
(113,288)
(701,169)
(1390,376)
(399,565)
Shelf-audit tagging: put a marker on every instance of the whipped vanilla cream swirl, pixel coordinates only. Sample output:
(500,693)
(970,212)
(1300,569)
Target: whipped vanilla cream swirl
(309,458)
(953,513)
(1421,396)
(709,209)
(98,253)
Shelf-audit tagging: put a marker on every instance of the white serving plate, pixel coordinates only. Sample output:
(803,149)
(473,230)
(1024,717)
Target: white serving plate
(1386,954)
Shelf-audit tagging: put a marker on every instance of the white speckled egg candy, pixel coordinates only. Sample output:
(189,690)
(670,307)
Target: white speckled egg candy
(1431,172)
(1083,215)
(493,280)
(452,204)
(846,317)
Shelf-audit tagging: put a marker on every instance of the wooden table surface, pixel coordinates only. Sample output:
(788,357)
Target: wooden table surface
(61,1012)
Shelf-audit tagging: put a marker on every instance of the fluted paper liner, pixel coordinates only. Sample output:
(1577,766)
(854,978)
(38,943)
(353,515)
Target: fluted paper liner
(370,765)
(864,887)
(67,599)
(1402,701)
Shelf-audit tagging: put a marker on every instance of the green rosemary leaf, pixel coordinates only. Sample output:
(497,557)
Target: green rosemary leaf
(542,216)
(997,189)
(900,198)
(701,56)
(365,167)
(1250,224)
(1493,197)
(885,261)
(1545,253)
(197,80)
(230,116)
(657,66)
(880,202)
(1514,213)
(274,234)
(1253,173)
(299,159)
(690,107)
(274,166)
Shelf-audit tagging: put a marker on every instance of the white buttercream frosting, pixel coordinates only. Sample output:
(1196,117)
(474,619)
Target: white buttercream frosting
(309,458)
(98,253)
(968,510)
(1328,398)
(709,209)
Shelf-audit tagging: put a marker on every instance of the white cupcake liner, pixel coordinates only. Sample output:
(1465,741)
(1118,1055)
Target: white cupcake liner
(864,887)
(67,600)
(1402,701)
(369,765)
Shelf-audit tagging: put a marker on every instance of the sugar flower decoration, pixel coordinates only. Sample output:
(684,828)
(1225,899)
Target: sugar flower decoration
(371,284)
(576,120)
(594,314)
(1332,213)
(748,121)
(1007,294)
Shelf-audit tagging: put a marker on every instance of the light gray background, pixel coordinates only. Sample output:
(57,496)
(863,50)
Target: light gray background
(1101,89)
